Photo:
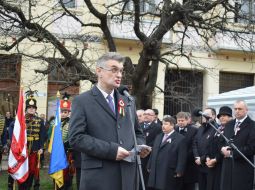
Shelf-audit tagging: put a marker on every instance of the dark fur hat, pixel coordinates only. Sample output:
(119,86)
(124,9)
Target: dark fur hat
(225,110)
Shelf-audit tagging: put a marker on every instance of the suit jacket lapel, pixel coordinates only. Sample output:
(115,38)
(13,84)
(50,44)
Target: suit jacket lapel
(172,137)
(158,141)
(117,99)
(231,128)
(243,124)
(102,101)
(151,125)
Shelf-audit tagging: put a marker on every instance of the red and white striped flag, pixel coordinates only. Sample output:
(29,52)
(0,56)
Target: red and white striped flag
(18,157)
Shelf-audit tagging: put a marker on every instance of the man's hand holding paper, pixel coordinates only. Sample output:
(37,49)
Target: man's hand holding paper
(144,150)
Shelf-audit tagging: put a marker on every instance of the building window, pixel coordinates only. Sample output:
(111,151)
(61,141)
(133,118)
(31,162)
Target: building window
(68,3)
(233,81)
(183,91)
(9,67)
(145,6)
(59,74)
(9,82)
(246,11)
(57,81)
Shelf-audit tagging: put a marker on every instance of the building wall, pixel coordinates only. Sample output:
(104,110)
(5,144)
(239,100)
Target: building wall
(212,65)
(209,63)
(29,79)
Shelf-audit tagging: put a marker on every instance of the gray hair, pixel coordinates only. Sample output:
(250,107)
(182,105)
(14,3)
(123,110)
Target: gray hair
(242,102)
(110,56)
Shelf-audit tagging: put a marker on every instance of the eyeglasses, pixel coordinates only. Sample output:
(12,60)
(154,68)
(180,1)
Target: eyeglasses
(114,70)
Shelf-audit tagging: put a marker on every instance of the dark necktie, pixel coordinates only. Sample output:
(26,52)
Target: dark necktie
(182,131)
(110,103)
(237,128)
(146,125)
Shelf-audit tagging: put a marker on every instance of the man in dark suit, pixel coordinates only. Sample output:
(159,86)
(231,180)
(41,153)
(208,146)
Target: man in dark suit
(189,131)
(157,120)
(150,131)
(168,158)
(236,172)
(201,144)
(140,116)
(6,149)
(150,128)
(101,129)
(4,127)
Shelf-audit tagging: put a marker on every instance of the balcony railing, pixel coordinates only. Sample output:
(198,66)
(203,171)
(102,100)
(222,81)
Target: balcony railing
(231,41)
(125,29)
(235,42)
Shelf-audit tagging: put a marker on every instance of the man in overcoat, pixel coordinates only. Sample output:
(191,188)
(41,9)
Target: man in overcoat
(101,129)
(168,158)
(189,132)
(201,144)
(150,131)
(237,173)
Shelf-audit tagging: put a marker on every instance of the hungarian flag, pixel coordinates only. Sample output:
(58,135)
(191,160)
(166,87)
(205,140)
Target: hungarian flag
(18,156)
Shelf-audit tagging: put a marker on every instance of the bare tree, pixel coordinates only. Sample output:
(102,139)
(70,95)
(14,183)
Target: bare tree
(205,22)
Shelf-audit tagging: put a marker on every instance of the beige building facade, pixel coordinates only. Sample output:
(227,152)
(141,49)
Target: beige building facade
(213,65)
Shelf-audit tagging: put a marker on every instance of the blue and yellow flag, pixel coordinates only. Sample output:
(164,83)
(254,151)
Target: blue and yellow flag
(58,160)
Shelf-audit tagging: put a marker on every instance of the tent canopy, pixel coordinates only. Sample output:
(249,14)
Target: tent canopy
(228,99)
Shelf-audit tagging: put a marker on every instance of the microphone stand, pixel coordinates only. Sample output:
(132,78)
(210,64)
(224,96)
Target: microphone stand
(138,159)
(230,143)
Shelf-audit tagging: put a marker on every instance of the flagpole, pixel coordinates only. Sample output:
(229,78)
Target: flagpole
(38,163)
(58,96)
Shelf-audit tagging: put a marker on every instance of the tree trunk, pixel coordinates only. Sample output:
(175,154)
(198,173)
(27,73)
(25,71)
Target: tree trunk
(145,76)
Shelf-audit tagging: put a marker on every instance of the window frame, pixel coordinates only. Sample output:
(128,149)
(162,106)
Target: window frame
(70,4)
(246,9)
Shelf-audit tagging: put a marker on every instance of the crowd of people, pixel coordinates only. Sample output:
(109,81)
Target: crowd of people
(100,135)
(184,153)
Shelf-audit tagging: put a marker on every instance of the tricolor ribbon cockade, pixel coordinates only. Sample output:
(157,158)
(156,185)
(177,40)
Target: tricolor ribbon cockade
(121,106)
